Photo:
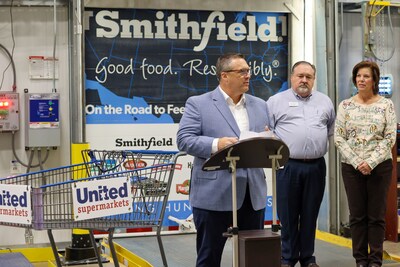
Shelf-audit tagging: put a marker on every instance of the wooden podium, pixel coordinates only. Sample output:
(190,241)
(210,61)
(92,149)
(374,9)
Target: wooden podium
(259,248)
(258,152)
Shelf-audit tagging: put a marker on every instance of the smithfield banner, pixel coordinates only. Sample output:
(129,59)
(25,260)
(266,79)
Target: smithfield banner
(141,65)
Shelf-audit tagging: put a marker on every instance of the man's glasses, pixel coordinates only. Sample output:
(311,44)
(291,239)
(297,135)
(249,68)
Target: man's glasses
(242,72)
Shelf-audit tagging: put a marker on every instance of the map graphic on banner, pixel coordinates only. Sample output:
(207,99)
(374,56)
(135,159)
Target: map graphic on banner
(142,65)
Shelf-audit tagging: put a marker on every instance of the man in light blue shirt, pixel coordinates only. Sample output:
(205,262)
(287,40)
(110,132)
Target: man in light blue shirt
(304,119)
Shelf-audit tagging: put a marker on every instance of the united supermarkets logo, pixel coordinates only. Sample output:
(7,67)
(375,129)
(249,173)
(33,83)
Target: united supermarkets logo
(100,198)
(9,199)
(178,26)
(15,204)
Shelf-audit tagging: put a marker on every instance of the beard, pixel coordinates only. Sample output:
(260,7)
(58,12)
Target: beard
(303,89)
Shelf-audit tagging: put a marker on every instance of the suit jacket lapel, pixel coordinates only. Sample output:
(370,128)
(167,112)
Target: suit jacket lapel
(222,106)
(251,113)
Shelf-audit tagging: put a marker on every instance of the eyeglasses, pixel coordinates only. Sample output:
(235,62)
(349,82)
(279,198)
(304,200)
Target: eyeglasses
(242,72)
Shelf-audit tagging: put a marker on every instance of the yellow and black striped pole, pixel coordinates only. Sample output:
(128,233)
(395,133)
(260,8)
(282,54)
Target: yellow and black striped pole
(81,246)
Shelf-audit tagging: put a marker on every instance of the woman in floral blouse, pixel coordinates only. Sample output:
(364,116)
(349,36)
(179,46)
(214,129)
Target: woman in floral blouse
(365,132)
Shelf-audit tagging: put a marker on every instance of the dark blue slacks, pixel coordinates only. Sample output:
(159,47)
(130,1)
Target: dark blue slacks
(210,226)
(300,188)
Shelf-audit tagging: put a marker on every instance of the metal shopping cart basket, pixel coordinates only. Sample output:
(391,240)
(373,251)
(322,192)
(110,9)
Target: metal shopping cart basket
(135,184)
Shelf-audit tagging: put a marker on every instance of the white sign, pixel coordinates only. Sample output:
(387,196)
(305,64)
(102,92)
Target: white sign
(15,204)
(100,198)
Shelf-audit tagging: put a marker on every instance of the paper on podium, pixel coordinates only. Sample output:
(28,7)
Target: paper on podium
(249,134)
(254,151)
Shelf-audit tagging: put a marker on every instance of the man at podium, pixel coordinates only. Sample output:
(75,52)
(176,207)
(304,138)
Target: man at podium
(211,122)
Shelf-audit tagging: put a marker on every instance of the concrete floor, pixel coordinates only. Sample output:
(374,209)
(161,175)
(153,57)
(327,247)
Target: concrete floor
(331,251)
(180,251)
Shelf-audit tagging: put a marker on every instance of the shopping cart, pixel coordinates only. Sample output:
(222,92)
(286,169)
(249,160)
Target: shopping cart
(149,174)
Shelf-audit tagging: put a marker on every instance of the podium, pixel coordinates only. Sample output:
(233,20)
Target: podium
(257,152)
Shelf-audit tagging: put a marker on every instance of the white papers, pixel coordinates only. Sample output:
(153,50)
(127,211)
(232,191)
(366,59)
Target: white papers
(249,134)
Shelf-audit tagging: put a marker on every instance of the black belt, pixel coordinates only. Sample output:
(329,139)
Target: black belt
(305,160)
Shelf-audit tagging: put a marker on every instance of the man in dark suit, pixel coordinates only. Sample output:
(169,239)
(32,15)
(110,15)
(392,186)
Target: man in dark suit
(211,122)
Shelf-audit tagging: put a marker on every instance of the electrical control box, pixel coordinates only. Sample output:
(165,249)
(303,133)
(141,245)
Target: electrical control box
(9,111)
(42,120)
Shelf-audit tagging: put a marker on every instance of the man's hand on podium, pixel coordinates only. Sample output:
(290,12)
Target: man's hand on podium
(226,141)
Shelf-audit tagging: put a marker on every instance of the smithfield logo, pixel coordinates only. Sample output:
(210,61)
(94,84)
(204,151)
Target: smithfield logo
(143,142)
(178,26)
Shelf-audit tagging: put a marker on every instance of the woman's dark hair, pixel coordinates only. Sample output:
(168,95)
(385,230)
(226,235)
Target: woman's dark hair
(375,73)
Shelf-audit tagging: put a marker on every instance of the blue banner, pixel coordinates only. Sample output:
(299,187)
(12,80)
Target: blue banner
(142,65)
